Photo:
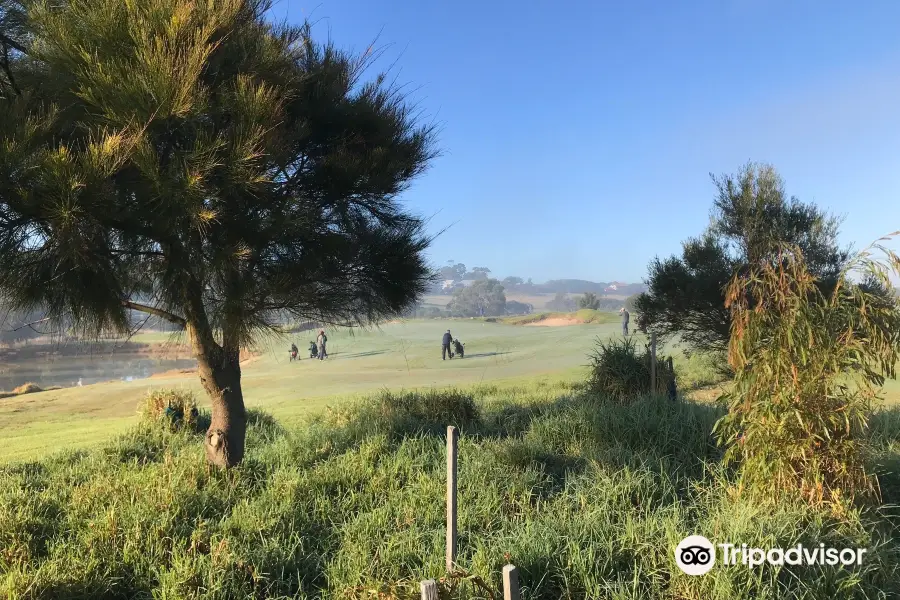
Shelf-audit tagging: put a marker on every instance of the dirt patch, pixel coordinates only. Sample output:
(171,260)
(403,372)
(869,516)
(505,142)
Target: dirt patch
(554,322)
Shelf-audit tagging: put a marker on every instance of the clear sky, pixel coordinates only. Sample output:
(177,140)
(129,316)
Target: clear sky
(579,136)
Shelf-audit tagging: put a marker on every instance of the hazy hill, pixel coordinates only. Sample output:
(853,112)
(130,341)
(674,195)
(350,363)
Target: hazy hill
(580,286)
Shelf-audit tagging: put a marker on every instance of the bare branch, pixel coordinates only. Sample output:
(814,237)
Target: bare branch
(31,325)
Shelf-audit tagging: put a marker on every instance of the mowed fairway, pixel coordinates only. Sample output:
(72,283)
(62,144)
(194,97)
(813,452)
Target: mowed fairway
(399,356)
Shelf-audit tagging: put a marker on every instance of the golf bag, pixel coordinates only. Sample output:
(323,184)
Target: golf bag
(313,350)
(459,348)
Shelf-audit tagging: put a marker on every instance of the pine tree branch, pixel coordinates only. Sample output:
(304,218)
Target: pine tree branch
(156,312)
(4,63)
(7,41)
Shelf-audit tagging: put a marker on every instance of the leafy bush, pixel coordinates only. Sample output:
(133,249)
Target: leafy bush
(590,301)
(619,372)
(808,370)
(177,408)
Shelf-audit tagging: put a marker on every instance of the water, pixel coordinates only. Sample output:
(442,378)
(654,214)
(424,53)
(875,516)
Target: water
(67,371)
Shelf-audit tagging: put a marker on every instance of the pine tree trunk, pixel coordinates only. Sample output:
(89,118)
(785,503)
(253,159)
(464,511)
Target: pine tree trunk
(225,436)
(219,368)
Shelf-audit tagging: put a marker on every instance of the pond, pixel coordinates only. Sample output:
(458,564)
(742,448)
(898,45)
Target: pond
(68,371)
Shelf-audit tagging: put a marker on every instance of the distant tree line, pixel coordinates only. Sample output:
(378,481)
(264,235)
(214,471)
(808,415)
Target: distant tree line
(458,272)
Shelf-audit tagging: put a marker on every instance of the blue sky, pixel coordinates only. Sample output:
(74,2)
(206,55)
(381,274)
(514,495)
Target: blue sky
(579,136)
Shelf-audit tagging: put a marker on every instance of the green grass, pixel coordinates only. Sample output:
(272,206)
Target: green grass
(587,498)
(400,356)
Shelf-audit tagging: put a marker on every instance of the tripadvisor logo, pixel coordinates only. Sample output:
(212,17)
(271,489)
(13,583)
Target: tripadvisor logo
(696,555)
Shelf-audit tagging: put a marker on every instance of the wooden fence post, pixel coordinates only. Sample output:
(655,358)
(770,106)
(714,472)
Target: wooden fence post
(452,443)
(653,363)
(511,583)
(429,589)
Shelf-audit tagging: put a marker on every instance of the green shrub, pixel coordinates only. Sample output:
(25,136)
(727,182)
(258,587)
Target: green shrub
(177,408)
(620,373)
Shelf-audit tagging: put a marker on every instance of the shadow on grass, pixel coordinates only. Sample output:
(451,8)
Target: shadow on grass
(559,437)
(884,432)
(358,354)
(484,354)
(95,590)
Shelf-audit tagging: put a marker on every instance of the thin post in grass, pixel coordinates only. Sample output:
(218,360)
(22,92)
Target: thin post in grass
(511,583)
(673,391)
(452,449)
(653,363)
(429,589)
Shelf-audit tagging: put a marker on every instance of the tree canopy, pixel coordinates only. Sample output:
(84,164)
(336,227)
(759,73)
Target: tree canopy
(484,298)
(562,303)
(514,307)
(589,300)
(198,163)
(752,217)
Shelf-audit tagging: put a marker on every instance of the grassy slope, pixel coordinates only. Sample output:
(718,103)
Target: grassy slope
(586,498)
(34,424)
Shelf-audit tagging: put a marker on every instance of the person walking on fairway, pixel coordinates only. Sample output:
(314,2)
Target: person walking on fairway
(320,343)
(445,346)
(625,317)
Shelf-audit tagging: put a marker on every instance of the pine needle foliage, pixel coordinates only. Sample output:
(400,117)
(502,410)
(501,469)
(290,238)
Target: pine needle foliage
(809,367)
(168,145)
(199,163)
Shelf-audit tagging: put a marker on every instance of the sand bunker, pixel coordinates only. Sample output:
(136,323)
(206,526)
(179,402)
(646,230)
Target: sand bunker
(554,322)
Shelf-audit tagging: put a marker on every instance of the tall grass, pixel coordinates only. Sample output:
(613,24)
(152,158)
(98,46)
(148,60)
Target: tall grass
(586,496)
(809,368)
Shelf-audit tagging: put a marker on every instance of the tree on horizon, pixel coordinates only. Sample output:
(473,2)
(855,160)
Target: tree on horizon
(590,301)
